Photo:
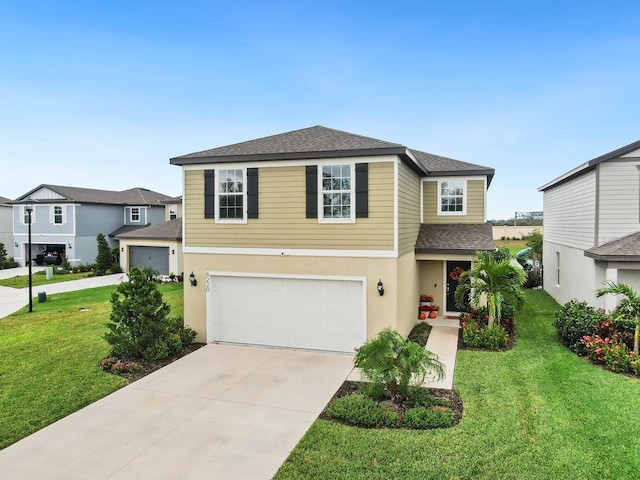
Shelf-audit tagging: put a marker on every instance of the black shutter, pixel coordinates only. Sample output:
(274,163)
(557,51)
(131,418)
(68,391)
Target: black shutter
(252,192)
(312,191)
(362,190)
(209,193)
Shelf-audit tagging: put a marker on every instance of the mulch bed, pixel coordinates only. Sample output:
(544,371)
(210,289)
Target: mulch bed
(152,366)
(348,387)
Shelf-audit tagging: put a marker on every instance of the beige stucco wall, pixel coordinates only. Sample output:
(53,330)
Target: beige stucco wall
(175,252)
(431,281)
(408,293)
(382,311)
(475,198)
(282,221)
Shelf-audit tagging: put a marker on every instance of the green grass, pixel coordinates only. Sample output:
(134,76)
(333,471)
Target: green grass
(534,412)
(48,359)
(514,246)
(39,278)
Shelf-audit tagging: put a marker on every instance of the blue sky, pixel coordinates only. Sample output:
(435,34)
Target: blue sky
(102,94)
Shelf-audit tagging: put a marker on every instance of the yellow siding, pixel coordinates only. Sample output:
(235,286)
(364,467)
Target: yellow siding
(408,209)
(475,204)
(283,222)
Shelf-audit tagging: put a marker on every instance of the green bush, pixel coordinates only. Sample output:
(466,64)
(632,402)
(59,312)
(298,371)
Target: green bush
(374,391)
(361,411)
(140,326)
(418,397)
(423,418)
(475,335)
(533,280)
(420,333)
(575,320)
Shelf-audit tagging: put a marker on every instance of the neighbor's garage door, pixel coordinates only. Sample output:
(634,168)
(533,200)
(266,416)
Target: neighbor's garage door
(154,257)
(295,312)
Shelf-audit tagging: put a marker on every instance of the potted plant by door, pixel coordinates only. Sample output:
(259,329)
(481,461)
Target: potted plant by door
(426,300)
(434,311)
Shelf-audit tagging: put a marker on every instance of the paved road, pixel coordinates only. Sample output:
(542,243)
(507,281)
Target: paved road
(13,299)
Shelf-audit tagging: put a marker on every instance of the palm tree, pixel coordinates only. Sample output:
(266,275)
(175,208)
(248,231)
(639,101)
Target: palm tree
(629,306)
(497,281)
(395,362)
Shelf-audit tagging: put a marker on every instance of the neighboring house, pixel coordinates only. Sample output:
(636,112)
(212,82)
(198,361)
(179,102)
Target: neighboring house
(6,225)
(157,246)
(67,220)
(289,236)
(592,227)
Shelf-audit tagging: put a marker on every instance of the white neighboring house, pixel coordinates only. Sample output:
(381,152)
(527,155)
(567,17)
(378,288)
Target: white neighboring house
(592,227)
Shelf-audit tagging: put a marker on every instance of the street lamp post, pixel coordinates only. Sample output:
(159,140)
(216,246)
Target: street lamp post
(28,207)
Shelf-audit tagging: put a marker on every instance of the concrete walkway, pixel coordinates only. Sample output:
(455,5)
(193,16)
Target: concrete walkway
(224,411)
(13,299)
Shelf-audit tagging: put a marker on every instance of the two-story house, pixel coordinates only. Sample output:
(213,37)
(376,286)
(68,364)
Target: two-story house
(319,238)
(67,220)
(592,227)
(6,224)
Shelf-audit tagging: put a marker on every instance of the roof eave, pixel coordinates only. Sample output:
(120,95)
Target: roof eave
(452,251)
(612,258)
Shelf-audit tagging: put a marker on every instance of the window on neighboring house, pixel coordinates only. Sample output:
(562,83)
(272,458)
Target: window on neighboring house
(337,193)
(135,214)
(557,269)
(25,215)
(173,212)
(451,194)
(230,194)
(58,215)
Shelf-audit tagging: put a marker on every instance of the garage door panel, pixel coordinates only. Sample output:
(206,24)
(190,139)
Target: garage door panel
(320,314)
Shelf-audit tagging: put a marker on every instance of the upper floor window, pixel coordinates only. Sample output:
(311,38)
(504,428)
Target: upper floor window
(25,215)
(231,195)
(58,215)
(173,212)
(337,193)
(134,215)
(451,195)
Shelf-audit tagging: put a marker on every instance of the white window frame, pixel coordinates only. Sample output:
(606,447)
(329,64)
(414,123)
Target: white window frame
(465,194)
(218,193)
(351,192)
(63,215)
(173,212)
(557,269)
(131,209)
(24,215)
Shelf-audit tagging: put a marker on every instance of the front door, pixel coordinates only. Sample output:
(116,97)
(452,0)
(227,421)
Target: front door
(454,269)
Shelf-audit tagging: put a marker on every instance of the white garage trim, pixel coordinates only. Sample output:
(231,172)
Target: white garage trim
(300,316)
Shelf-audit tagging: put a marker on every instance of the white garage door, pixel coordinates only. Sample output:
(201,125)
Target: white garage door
(296,312)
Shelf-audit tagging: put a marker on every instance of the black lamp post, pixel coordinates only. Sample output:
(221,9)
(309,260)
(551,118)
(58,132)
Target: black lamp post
(28,207)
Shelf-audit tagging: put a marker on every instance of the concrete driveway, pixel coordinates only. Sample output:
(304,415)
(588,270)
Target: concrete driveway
(224,411)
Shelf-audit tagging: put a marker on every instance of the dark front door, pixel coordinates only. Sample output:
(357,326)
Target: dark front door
(454,269)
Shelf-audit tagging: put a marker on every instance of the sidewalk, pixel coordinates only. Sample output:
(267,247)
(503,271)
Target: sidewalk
(13,299)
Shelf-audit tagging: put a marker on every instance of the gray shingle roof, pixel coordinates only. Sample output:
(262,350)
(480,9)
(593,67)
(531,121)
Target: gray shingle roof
(451,238)
(171,230)
(132,196)
(319,141)
(622,249)
(4,200)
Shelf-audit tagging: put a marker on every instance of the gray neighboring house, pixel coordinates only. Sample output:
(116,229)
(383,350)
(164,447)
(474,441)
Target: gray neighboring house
(157,246)
(592,227)
(67,220)
(6,224)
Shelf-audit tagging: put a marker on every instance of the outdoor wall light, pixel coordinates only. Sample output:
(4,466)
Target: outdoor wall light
(15,244)
(70,247)
(380,288)
(122,249)
(173,252)
(192,280)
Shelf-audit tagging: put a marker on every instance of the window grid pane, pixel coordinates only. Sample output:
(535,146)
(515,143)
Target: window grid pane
(451,196)
(336,191)
(230,194)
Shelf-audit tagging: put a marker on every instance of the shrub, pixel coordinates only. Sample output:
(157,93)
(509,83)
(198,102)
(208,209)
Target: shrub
(609,352)
(361,411)
(420,333)
(620,327)
(533,280)
(575,320)
(423,418)
(139,324)
(478,336)
(419,397)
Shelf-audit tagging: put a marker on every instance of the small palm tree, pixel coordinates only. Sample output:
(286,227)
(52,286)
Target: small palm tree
(498,281)
(395,362)
(629,306)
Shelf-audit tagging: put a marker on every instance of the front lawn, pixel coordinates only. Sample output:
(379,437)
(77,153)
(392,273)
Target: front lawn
(49,359)
(534,412)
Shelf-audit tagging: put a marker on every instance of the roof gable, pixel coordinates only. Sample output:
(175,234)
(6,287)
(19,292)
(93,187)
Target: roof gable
(57,193)
(591,164)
